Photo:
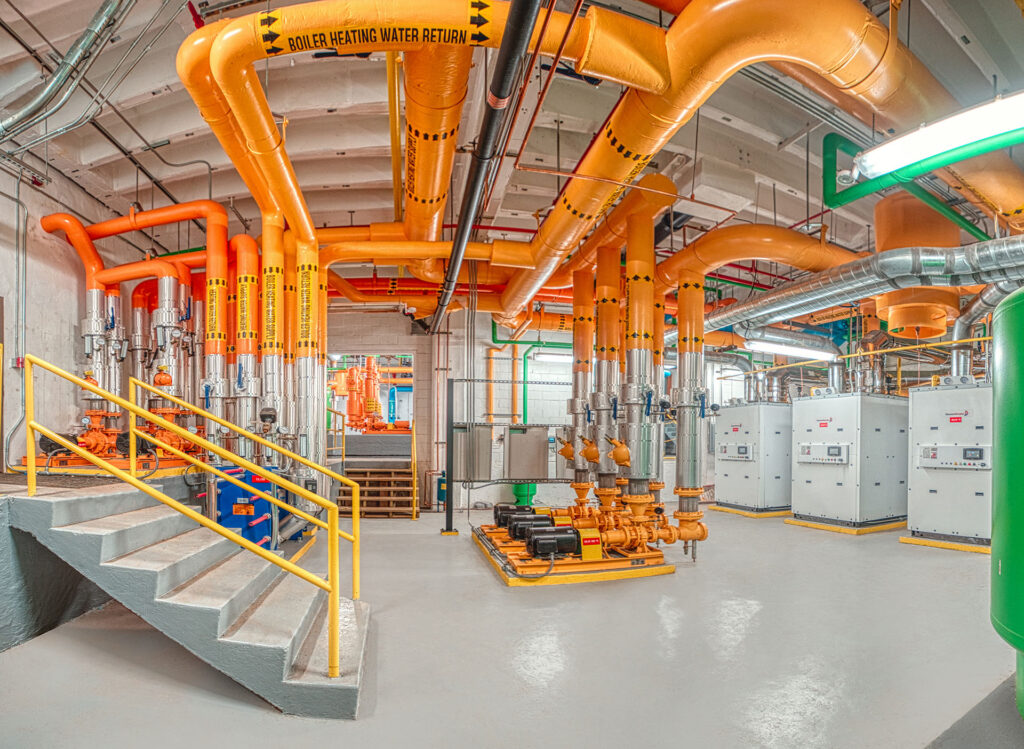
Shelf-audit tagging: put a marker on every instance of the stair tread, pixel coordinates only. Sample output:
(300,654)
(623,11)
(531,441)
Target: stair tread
(164,554)
(220,584)
(310,665)
(274,619)
(123,520)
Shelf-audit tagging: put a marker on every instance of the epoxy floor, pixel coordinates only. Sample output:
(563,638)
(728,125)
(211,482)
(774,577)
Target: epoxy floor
(779,637)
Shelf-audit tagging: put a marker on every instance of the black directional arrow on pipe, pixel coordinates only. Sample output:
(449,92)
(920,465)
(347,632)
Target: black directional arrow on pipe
(478,20)
(274,50)
(479,38)
(270,36)
(267,20)
(478,5)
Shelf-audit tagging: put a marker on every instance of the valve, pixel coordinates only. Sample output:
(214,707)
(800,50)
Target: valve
(162,378)
(620,453)
(590,450)
(566,450)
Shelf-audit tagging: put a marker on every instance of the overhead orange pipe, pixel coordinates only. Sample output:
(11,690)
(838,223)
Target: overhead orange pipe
(707,43)
(611,230)
(216,218)
(78,238)
(436,81)
(112,277)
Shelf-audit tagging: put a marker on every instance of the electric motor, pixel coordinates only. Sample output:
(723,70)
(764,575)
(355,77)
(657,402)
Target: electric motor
(543,542)
(503,510)
(518,525)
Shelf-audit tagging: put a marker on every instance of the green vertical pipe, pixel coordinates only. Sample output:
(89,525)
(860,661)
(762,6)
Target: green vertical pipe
(1007,599)
(526,379)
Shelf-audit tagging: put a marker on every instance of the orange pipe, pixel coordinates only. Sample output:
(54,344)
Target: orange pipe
(659,329)
(436,81)
(612,228)
(247,267)
(144,295)
(583,321)
(607,293)
(491,351)
(112,277)
(640,283)
(750,242)
(515,386)
(78,238)
(216,218)
(231,312)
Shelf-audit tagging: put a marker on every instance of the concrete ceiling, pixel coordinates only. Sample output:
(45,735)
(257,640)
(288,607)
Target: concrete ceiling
(756,150)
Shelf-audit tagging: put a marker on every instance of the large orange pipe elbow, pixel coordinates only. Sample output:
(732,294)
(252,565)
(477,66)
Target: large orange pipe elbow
(77,236)
(135,271)
(216,218)
(750,242)
(144,295)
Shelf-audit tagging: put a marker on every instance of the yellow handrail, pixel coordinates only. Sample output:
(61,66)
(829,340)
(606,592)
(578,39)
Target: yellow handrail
(133,382)
(335,430)
(415,473)
(332,585)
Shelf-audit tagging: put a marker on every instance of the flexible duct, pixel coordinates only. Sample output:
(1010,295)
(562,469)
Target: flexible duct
(980,306)
(983,262)
(743,364)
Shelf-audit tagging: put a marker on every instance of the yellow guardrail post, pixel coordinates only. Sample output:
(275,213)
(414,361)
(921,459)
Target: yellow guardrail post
(133,467)
(344,432)
(415,475)
(332,580)
(30,435)
(355,541)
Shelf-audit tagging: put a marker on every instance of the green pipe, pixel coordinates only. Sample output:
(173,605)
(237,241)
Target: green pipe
(1007,570)
(834,143)
(542,344)
(526,378)
(201,248)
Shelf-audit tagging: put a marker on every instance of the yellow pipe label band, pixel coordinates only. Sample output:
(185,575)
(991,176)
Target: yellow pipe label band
(308,276)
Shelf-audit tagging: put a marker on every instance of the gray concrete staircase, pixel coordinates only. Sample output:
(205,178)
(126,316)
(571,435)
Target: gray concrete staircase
(261,626)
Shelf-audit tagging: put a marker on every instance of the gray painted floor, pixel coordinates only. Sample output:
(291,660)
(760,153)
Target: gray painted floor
(779,637)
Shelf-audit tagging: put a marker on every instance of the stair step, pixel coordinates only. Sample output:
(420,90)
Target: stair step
(280,619)
(311,663)
(179,558)
(77,506)
(129,531)
(227,589)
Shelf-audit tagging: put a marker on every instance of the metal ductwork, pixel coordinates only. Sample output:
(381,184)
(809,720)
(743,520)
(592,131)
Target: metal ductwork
(786,337)
(740,362)
(984,262)
(986,301)
(80,57)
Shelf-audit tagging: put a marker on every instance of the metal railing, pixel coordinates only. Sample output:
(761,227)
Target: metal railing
(415,474)
(331,585)
(335,431)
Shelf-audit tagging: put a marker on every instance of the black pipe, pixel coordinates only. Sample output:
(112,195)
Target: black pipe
(522,15)
(449,501)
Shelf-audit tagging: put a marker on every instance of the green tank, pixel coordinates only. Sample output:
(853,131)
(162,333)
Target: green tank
(1007,610)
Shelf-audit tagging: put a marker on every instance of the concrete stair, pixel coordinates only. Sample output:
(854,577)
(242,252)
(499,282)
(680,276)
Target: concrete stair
(261,626)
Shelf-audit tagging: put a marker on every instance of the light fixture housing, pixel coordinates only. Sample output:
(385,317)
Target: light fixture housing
(553,358)
(785,349)
(1002,115)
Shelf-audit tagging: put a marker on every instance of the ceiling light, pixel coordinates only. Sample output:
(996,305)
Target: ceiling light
(786,349)
(995,118)
(559,358)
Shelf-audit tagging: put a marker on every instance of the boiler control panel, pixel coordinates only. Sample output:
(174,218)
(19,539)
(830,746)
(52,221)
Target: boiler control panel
(956,457)
(733,451)
(823,452)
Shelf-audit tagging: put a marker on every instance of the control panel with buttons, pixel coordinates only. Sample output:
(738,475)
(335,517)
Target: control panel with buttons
(964,457)
(820,452)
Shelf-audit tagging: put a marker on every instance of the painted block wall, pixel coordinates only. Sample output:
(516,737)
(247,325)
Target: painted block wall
(38,591)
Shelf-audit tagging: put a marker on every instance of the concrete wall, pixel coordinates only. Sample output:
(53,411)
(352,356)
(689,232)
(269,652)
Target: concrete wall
(38,591)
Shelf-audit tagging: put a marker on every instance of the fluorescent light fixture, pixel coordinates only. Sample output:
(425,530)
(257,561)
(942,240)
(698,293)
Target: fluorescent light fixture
(786,349)
(994,118)
(559,358)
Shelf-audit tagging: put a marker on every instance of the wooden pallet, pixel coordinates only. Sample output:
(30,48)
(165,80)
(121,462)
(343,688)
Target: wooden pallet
(384,491)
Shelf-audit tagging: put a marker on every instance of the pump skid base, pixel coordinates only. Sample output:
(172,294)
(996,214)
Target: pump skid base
(750,512)
(938,543)
(615,564)
(858,530)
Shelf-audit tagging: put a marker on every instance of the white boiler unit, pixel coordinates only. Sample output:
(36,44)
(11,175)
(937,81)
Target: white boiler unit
(752,462)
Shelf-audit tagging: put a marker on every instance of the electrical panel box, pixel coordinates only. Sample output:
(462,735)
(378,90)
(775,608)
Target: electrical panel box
(526,452)
(950,487)
(472,459)
(752,461)
(850,458)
